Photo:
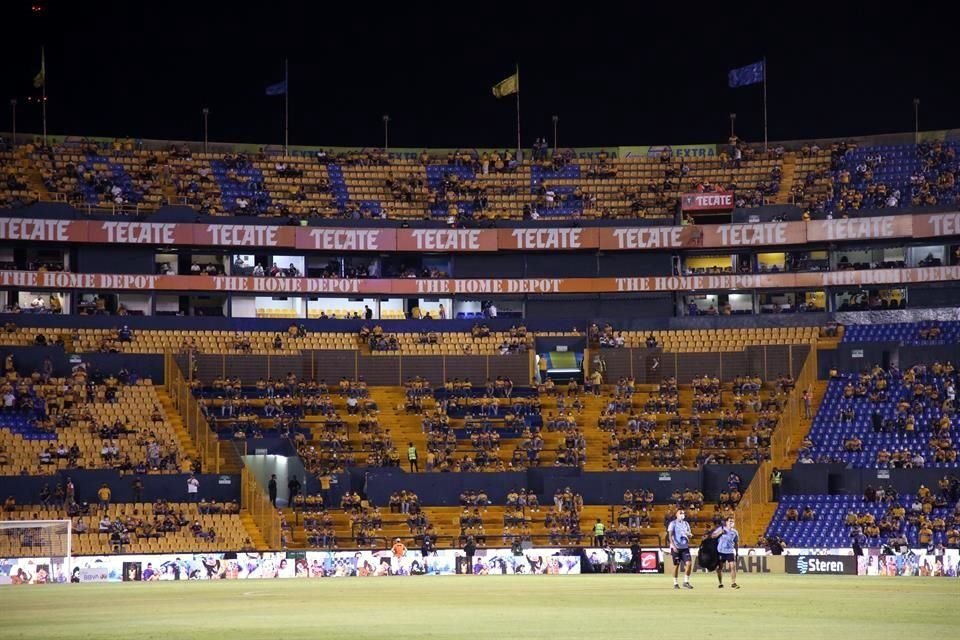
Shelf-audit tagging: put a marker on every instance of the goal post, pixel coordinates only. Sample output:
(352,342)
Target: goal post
(38,551)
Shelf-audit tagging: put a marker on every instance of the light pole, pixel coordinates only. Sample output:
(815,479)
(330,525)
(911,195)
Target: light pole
(386,132)
(556,119)
(733,120)
(206,118)
(13,117)
(916,121)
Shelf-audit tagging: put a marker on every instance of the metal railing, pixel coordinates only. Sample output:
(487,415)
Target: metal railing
(253,497)
(203,437)
(752,507)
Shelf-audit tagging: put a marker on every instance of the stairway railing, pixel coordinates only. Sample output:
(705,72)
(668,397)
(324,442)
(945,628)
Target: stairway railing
(792,429)
(253,497)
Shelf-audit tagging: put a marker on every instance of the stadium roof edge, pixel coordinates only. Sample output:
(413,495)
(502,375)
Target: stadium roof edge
(620,150)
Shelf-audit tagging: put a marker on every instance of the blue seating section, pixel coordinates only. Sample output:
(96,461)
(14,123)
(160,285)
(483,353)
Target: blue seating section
(903,332)
(24,425)
(338,185)
(435,177)
(829,530)
(539,175)
(437,172)
(828,433)
(119,177)
(898,164)
(230,190)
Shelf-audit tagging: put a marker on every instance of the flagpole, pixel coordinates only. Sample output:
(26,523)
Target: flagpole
(518,113)
(43,103)
(286,107)
(764,104)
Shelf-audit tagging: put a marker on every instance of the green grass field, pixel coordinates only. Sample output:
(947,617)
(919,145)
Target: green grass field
(502,607)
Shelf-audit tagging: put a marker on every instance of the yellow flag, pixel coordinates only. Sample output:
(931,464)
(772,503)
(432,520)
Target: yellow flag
(508,86)
(41,78)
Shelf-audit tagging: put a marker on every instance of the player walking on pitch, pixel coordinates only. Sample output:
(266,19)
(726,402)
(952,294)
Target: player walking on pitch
(728,547)
(678,532)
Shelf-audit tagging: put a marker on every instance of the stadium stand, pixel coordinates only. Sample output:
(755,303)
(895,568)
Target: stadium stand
(73,423)
(147,527)
(908,333)
(885,419)
(881,517)
(472,184)
(674,395)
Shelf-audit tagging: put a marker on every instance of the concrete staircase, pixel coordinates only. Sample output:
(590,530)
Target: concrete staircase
(32,172)
(173,416)
(404,427)
(786,179)
(230,462)
(749,535)
(253,531)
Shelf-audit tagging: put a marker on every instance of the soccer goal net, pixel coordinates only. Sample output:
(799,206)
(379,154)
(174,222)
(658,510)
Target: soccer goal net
(35,551)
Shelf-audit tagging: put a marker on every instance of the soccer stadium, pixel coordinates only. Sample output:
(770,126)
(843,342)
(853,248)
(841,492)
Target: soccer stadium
(519,390)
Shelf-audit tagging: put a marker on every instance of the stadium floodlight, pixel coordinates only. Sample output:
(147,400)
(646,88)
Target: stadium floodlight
(47,542)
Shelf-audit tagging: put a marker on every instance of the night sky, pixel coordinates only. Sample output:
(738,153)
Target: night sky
(614,76)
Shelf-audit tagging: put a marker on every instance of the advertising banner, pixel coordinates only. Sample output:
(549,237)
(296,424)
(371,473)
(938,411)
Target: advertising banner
(915,562)
(676,150)
(752,561)
(289,564)
(821,565)
(62,281)
(536,238)
(715,201)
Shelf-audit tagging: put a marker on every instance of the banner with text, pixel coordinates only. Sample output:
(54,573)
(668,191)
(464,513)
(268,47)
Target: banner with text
(348,239)
(62,281)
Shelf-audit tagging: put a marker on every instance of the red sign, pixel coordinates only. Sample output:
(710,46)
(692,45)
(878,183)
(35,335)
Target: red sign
(714,201)
(935,225)
(350,239)
(329,239)
(754,235)
(860,228)
(244,235)
(536,239)
(454,240)
(41,230)
(157,233)
(644,238)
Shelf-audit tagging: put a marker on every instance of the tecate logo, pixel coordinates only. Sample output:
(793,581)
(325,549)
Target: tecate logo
(812,565)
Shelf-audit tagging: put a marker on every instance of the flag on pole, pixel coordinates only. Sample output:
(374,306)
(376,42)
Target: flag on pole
(744,76)
(508,86)
(278,89)
(40,79)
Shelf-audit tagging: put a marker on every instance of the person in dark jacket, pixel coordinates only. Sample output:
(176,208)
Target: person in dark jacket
(272,489)
(294,488)
(470,549)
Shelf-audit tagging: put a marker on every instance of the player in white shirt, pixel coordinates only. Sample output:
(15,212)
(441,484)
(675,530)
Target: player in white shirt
(679,534)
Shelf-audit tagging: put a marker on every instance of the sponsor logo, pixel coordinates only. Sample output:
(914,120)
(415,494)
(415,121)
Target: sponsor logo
(821,565)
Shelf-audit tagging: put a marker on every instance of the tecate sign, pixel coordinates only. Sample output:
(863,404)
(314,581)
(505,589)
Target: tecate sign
(716,201)
(822,565)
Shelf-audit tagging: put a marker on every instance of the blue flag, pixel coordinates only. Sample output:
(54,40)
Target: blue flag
(279,89)
(750,74)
